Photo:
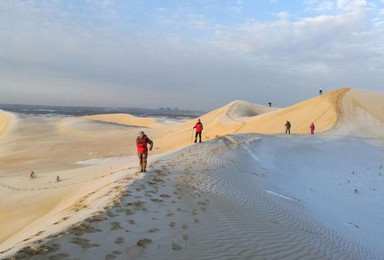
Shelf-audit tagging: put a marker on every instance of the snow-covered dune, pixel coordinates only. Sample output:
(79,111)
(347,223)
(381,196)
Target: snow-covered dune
(245,197)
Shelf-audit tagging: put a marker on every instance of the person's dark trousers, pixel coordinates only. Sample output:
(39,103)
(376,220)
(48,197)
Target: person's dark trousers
(198,134)
(143,161)
(288,131)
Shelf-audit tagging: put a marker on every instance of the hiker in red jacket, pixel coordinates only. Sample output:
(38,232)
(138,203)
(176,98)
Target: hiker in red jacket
(199,129)
(142,142)
(312,127)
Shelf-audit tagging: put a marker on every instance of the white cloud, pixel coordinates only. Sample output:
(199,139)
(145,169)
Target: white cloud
(308,35)
(48,49)
(338,48)
(282,15)
(337,6)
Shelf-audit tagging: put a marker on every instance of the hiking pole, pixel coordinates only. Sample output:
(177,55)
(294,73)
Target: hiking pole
(193,131)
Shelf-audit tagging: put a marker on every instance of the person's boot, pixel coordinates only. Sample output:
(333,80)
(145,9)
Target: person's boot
(195,141)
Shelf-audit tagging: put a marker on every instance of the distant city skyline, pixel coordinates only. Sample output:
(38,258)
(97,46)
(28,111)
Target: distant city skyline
(195,55)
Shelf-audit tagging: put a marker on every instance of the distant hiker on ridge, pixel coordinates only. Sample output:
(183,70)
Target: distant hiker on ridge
(199,129)
(320,91)
(312,127)
(142,142)
(270,104)
(288,127)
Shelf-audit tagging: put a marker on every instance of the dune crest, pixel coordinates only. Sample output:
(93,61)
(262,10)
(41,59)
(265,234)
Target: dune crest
(222,121)
(327,112)
(343,110)
(324,111)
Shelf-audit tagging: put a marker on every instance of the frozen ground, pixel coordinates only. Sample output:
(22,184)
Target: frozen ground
(243,197)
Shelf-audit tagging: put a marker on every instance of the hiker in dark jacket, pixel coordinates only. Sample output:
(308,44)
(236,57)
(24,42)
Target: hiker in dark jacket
(288,127)
(199,129)
(142,142)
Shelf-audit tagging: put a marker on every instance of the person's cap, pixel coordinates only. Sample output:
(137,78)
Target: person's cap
(141,132)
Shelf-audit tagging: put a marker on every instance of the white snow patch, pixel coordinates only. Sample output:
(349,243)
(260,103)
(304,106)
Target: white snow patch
(281,195)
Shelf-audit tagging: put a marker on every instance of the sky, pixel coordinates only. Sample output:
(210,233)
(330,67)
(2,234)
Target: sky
(191,54)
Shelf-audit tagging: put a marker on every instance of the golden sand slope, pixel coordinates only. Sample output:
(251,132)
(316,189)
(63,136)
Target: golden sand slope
(4,122)
(338,108)
(243,117)
(334,109)
(324,111)
(31,206)
(226,120)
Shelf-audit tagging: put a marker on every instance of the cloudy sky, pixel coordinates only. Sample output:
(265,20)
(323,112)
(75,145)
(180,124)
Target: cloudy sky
(193,54)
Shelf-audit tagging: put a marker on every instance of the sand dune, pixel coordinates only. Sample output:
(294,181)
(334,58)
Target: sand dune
(27,206)
(42,206)
(226,120)
(362,114)
(50,207)
(328,112)
(371,102)
(324,111)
